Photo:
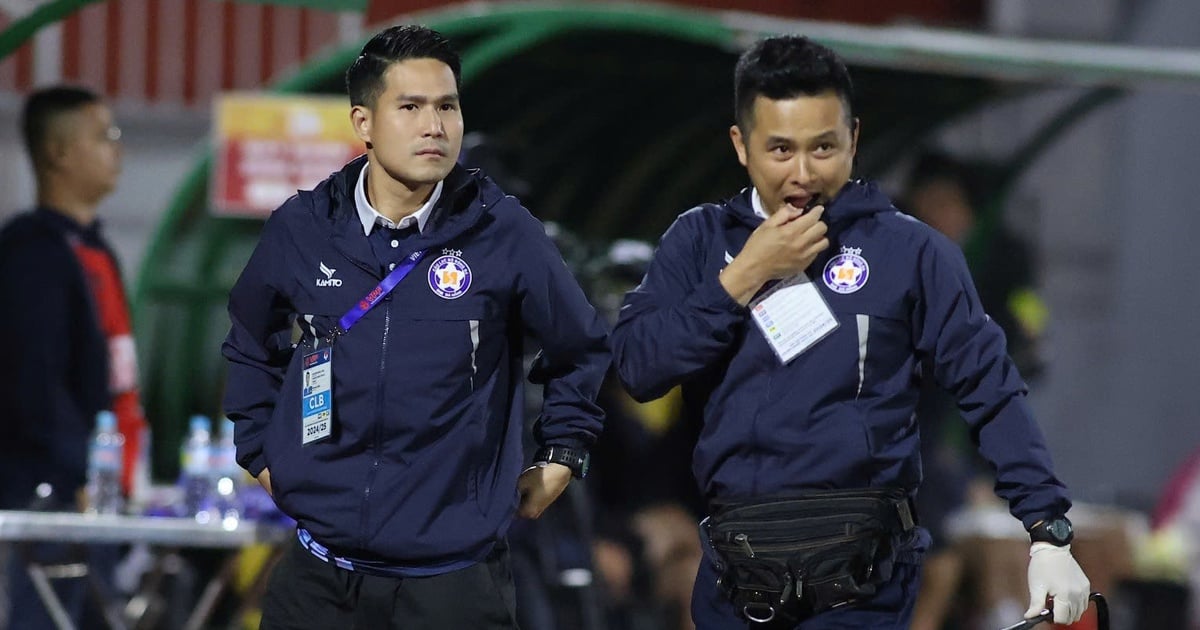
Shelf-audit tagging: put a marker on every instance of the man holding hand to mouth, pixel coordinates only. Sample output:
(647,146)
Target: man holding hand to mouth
(806,332)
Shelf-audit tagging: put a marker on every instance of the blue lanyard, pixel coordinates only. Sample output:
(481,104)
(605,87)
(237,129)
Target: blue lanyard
(380,291)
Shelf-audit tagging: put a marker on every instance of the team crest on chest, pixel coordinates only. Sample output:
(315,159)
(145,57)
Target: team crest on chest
(847,272)
(449,276)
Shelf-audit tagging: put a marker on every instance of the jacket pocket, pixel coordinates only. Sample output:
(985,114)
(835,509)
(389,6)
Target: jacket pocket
(454,346)
(881,338)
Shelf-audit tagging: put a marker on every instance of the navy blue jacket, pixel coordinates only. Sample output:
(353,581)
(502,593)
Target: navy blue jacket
(841,414)
(421,469)
(54,375)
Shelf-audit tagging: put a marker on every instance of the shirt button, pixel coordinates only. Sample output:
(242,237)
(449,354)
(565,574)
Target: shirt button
(391,266)
(395,243)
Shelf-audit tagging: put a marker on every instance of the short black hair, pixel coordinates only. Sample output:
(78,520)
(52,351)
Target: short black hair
(785,67)
(364,77)
(45,105)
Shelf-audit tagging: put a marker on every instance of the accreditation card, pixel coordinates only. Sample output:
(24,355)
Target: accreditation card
(316,397)
(793,316)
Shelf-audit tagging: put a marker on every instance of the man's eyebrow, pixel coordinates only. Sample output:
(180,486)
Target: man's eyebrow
(420,98)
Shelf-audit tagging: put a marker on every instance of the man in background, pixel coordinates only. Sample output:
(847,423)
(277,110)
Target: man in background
(69,351)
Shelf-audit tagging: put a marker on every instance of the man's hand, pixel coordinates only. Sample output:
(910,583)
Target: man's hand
(264,479)
(540,486)
(781,247)
(1053,572)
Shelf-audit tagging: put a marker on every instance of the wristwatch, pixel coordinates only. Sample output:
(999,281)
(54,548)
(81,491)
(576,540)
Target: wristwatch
(576,459)
(1057,531)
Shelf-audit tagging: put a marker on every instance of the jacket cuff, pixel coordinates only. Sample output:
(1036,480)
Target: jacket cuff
(713,293)
(256,465)
(571,443)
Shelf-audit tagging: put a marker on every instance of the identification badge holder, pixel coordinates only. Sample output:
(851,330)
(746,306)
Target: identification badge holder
(792,316)
(316,397)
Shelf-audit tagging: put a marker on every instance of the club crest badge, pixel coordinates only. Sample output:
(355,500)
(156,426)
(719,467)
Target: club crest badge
(449,276)
(847,272)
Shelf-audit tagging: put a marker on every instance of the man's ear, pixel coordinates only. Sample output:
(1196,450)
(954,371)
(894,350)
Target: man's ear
(739,143)
(360,118)
(57,151)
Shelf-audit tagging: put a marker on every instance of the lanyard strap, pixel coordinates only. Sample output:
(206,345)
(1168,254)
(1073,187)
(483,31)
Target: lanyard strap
(380,291)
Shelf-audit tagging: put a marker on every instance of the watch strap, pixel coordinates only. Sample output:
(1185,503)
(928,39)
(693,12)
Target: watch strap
(1057,531)
(575,459)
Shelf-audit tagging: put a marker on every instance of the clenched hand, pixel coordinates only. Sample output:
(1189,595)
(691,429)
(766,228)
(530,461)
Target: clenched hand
(781,247)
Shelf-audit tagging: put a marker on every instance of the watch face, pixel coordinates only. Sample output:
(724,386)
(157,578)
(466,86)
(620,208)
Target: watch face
(1059,528)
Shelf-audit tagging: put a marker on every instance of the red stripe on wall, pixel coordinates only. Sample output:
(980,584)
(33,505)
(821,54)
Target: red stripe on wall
(113,47)
(302,33)
(152,69)
(134,44)
(287,44)
(320,32)
(94,42)
(228,44)
(247,46)
(171,73)
(190,14)
(71,49)
(211,51)
(266,50)
(24,69)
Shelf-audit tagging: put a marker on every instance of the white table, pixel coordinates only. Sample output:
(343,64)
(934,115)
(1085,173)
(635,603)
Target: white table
(164,535)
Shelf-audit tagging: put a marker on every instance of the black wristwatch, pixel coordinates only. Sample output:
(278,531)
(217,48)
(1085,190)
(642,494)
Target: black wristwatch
(576,459)
(1057,531)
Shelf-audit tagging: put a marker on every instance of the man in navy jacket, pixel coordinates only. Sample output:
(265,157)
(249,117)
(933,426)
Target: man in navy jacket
(416,280)
(71,352)
(826,401)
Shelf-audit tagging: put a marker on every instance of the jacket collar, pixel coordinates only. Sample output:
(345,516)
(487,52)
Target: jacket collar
(458,209)
(858,198)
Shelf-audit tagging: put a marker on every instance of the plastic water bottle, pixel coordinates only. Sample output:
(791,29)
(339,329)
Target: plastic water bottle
(104,466)
(196,471)
(228,475)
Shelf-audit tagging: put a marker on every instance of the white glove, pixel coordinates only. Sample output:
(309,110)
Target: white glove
(1053,572)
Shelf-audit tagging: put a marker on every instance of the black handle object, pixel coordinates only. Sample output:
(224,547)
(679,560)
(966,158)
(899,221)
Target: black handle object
(1047,615)
(1101,610)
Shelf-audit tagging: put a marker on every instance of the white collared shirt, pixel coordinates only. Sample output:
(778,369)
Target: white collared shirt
(755,202)
(370,217)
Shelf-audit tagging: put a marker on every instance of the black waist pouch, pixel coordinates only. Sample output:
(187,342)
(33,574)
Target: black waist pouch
(793,557)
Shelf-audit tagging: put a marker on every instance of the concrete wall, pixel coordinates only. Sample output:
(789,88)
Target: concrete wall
(1116,223)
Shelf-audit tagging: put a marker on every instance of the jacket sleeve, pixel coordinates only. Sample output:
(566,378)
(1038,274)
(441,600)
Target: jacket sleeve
(39,311)
(677,322)
(573,337)
(971,362)
(258,347)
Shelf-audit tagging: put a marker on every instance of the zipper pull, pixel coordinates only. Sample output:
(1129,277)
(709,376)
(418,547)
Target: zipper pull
(744,541)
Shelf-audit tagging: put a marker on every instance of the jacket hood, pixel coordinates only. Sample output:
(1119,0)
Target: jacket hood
(468,199)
